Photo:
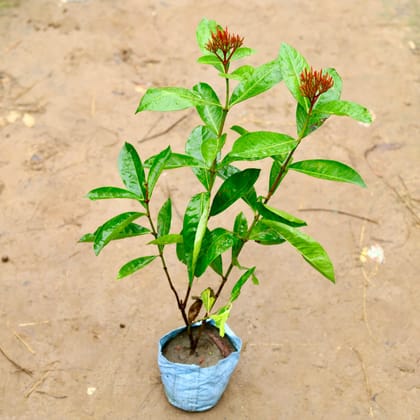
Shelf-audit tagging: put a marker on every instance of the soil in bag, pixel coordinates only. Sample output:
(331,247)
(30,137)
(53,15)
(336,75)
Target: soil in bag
(211,348)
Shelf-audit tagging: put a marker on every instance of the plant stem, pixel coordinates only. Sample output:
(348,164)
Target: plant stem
(181,304)
(194,342)
(273,188)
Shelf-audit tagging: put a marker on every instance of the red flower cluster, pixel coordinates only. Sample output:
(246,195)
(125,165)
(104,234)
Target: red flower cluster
(313,83)
(223,41)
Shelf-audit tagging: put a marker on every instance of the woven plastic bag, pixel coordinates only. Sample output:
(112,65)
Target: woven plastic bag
(195,388)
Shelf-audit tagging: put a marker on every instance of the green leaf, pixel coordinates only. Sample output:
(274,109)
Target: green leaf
(274,173)
(238,129)
(129,231)
(265,235)
(255,279)
(240,229)
(180,251)
(318,118)
(211,148)
(345,108)
(220,318)
(242,73)
(111,192)
(217,265)
(259,145)
(112,228)
(170,99)
(87,237)
(203,33)
(172,238)
(233,188)
(236,291)
(328,169)
(242,52)
(292,63)
(134,265)
(260,80)
(156,169)
(209,59)
(164,218)
(194,148)
(131,170)
(311,250)
(208,298)
(279,215)
(226,171)
(334,92)
(176,160)
(211,115)
(215,243)
(194,228)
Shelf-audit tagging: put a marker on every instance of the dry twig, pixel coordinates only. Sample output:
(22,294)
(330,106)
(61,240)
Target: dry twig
(37,384)
(161,133)
(15,364)
(344,213)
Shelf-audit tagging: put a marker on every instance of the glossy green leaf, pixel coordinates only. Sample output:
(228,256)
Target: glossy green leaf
(242,52)
(311,250)
(226,171)
(292,63)
(129,231)
(259,145)
(265,235)
(203,33)
(208,298)
(193,148)
(156,169)
(345,108)
(328,169)
(103,193)
(217,265)
(281,216)
(255,279)
(177,160)
(233,188)
(334,92)
(212,60)
(171,238)
(241,73)
(214,243)
(211,115)
(164,218)
(112,228)
(240,229)
(170,99)
(240,130)
(306,126)
(274,173)
(220,318)
(260,80)
(236,290)
(134,265)
(180,251)
(211,148)
(209,59)
(131,170)
(194,228)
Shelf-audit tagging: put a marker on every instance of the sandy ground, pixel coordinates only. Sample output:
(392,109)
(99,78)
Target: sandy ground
(71,75)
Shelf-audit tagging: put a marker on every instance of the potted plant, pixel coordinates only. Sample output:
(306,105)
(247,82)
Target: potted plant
(201,245)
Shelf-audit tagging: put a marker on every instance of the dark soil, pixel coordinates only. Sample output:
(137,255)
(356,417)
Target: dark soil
(210,349)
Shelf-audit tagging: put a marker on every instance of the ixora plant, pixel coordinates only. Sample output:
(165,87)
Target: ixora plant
(199,247)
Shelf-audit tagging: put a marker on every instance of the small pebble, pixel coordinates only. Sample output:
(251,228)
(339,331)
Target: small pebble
(5,259)
(122,325)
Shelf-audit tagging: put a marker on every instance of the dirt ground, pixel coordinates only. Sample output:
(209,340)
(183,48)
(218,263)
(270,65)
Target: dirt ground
(71,76)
